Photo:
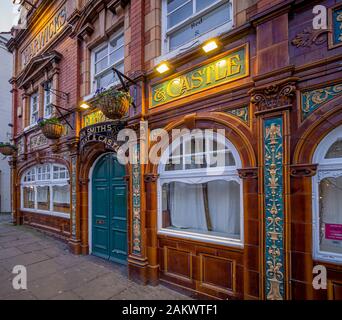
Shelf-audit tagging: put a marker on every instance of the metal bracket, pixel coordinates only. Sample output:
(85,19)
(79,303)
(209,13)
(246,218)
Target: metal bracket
(62,115)
(121,77)
(59,94)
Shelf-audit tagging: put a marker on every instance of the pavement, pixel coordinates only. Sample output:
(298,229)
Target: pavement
(53,273)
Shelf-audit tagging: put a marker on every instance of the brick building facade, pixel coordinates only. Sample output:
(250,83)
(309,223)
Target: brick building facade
(254,230)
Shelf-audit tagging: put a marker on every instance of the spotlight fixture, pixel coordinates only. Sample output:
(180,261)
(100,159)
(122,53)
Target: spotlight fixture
(84,106)
(163,67)
(210,46)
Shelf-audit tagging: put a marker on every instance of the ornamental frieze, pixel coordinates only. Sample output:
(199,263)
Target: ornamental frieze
(309,37)
(241,113)
(312,100)
(274,96)
(37,142)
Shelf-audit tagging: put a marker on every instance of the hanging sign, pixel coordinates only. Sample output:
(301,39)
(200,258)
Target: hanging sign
(105,132)
(228,67)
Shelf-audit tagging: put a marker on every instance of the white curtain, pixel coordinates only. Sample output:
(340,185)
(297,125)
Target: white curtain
(331,193)
(43,194)
(187,206)
(224,206)
(61,194)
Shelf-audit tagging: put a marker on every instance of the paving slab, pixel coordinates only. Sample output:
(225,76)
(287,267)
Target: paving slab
(55,273)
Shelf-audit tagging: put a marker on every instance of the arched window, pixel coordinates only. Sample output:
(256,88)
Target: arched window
(45,189)
(200,192)
(327,200)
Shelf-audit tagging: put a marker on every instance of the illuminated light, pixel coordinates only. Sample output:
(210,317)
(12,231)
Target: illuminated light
(84,106)
(210,46)
(163,67)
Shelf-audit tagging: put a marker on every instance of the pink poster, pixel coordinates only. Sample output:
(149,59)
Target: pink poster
(333,231)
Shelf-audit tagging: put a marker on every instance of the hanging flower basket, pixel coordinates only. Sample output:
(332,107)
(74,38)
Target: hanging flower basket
(51,128)
(7,149)
(114,104)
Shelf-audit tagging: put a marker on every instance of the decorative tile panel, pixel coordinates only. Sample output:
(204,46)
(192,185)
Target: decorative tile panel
(312,100)
(37,142)
(336,26)
(274,208)
(73,196)
(241,113)
(136,172)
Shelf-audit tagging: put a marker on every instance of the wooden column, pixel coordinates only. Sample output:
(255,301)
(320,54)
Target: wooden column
(15,192)
(152,227)
(75,221)
(137,260)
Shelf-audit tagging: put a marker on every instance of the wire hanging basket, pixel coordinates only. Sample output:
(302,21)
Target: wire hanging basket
(114,104)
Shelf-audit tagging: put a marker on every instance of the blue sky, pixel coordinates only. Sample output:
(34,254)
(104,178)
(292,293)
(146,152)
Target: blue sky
(6,15)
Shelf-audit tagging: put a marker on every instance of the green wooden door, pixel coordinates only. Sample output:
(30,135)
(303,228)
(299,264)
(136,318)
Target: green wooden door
(109,208)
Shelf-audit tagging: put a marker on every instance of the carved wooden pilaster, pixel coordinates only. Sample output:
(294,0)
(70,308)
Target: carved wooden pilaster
(303,170)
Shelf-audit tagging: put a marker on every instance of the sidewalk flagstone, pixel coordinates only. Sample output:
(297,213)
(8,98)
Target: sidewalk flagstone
(54,273)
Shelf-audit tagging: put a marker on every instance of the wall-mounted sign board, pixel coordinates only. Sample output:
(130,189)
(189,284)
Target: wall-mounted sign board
(228,67)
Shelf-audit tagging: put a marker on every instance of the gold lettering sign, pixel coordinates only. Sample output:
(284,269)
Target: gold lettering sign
(228,67)
(93,118)
(45,36)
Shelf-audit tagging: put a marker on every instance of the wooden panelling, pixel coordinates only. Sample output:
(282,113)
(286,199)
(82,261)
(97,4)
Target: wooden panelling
(51,224)
(335,290)
(213,271)
(217,273)
(178,264)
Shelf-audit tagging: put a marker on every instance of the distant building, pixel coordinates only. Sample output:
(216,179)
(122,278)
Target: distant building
(5,119)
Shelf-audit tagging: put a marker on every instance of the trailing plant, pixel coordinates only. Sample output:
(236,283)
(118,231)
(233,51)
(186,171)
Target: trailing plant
(42,122)
(51,128)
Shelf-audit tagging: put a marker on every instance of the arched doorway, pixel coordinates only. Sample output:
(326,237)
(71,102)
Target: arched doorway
(109,210)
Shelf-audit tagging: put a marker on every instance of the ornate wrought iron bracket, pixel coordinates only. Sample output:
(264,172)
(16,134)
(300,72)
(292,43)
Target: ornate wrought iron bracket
(122,77)
(59,94)
(62,115)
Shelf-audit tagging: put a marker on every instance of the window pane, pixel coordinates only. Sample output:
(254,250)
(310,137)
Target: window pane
(202,4)
(105,79)
(116,56)
(335,151)
(43,198)
(200,26)
(179,15)
(174,4)
(101,65)
(120,67)
(61,198)
(28,197)
(99,55)
(211,208)
(331,215)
